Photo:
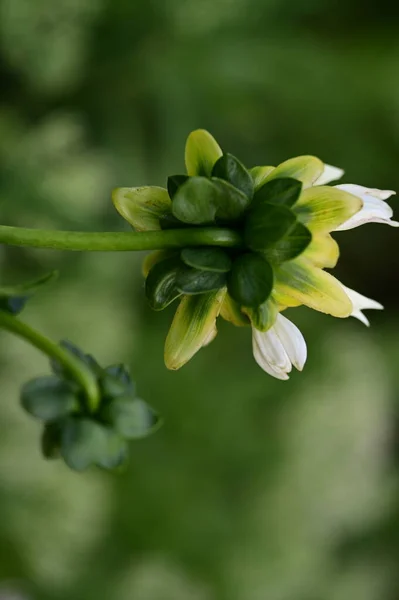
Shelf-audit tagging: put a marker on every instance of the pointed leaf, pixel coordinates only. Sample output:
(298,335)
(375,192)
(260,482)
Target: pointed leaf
(324,208)
(193,281)
(305,168)
(142,207)
(250,282)
(132,418)
(291,245)
(266,224)
(49,398)
(202,151)
(207,259)
(160,285)
(192,326)
(283,191)
(229,168)
(259,175)
(14,297)
(174,182)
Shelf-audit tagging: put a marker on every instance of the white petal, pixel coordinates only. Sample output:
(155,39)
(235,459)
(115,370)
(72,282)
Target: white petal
(374,210)
(277,349)
(361,303)
(330,173)
(292,340)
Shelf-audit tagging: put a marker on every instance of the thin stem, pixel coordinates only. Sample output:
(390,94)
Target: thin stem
(108,242)
(75,367)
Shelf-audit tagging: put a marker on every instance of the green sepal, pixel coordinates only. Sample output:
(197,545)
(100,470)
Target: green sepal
(266,224)
(264,316)
(201,201)
(192,281)
(174,182)
(14,297)
(160,285)
(51,440)
(229,168)
(87,359)
(85,442)
(291,245)
(201,153)
(115,382)
(49,398)
(207,259)
(285,191)
(132,418)
(250,282)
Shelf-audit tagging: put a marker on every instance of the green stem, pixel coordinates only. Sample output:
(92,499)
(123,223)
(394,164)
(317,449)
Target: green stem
(75,367)
(108,242)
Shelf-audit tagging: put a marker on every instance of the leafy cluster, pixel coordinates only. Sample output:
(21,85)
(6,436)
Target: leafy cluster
(258,207)
(70,428)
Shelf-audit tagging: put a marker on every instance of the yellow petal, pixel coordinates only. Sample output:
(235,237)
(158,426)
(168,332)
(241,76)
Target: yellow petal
(323,251)
(304,168)
(311,286)
(202,151)
(323,208)
(142,207)
(230,311)
(259,175)
(193,326)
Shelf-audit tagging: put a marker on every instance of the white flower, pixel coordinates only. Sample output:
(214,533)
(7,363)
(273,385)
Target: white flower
(361,303)
(277,349)
(329,174)
(374,210)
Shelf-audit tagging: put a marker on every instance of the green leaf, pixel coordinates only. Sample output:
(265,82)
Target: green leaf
(305,168)
(132,418)
(231,202)
(143,207)
(87,359)
(290,246)
(174,182)
(115,382)
(207,259)
(192,281)
(202,151)
(85,442)
(13,298)
(284,191)
(250,282)
(160,285)
(229,168)
(51,440)
(264,316)
(49,398)
(266,224)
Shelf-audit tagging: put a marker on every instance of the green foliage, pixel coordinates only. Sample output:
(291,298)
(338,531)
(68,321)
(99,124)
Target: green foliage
(250,281)
(207,259)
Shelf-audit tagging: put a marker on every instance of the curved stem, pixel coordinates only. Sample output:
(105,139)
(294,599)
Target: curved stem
(108,242)
(75,367)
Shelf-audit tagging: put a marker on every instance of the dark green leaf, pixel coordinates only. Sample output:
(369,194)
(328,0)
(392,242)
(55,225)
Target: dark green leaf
(207,259)
(250,282)
(229,168)
(169,221)
(285,191)
(231,202)
(49,398)
(174,182)
(266,224)
(85,442)
(132,418)
(13,298)
(192,281)
(290,246)
(51,440)
(160,285)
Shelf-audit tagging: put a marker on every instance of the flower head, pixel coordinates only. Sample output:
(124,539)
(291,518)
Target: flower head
(285,216)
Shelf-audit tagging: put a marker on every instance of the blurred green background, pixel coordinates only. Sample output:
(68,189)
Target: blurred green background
(254,489)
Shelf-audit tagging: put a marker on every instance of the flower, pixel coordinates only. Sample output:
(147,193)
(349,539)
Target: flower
(285,216)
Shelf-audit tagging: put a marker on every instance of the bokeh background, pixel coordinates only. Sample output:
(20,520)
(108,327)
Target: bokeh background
(254,489)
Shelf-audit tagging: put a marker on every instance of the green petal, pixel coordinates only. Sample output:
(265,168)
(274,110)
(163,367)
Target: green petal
(304,168)
(193,326)
(202,151)
(311,286)
(323,251)
(142,207)
(231,312)
(324,208)
(259,175)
